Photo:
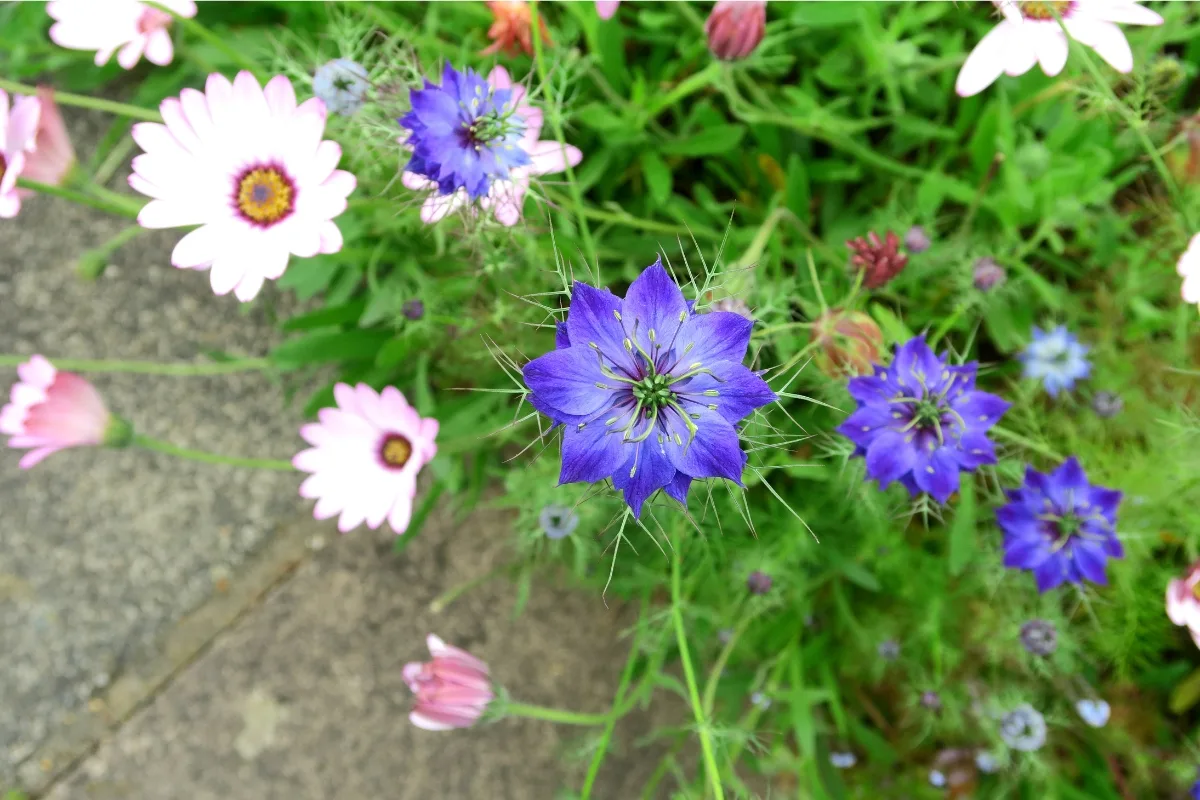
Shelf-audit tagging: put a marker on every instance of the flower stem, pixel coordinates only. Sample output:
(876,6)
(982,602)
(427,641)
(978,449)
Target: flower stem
(1025,442)
(145,367)
(689,673)
(193,26)
(210,458)
(109,205)
(83,101)
(589,246)
(93,263)
(555,714)
(450,595)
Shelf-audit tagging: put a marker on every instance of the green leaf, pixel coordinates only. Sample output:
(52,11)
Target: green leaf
(658,176)
(856,573)
(325,346)
(963,542)
(710,141)
(326,317)
(308,277)
(1186,693)
(892,326)
(797,193)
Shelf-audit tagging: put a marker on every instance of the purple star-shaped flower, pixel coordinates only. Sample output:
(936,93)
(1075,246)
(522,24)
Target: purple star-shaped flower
(648,392)
(921,421)
(1060,526)
(464,133)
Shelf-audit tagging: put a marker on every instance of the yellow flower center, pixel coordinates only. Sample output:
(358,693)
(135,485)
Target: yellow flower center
(1044,9)
(395,450)
(265,195)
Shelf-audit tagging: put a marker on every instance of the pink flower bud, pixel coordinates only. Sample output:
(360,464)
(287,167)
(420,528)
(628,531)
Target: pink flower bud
(51,410)
(453,690)
(1183,603)
(52,156)
(735,27)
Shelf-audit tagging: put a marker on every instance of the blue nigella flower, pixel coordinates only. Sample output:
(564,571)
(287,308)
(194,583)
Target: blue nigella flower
(464,133)
(342,84)
(1023,728)
(1056,358)
(1094,712)
(921,421)
(557,521)
(648,393)
(1060,526)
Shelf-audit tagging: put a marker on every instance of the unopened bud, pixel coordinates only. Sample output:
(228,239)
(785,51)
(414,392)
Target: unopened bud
(735,27)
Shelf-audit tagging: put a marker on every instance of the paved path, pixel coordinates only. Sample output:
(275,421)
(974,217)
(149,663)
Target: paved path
(117,568)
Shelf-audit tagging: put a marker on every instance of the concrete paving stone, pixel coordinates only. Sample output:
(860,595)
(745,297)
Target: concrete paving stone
(305,697)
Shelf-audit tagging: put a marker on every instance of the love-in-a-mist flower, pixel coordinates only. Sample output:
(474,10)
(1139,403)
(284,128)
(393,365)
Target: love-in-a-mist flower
(1029,34)
(49,410)
(365,457)
(1189,269)
(342,84)
(1039,637)
(921,421)
(1093,711)
(758,582)
(52,156)
(249,167)
(1060,526)
(648,393)
(512,28)
(842,759)
(735,27)
(606,8)
(125,27)
(1183,602)
(503,189)
(452,690)
(558,521)
(917,239)
(1023,728)
(1056,358)
(18,129)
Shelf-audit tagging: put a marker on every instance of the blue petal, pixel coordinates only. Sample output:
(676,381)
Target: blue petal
(974,450)
(592,320)
(980,410)
(889,457)
(655,303)
(590,453)
(873,389)
(644,473)
(562,338)
(1090,558)
(713,452)
(678,488)
(569,381)
(739,390)
(712,337)
(1026,553)
(936,472)
(865,424)
(1051,573)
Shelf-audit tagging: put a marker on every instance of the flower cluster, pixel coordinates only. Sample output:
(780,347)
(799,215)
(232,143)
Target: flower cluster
(647,392)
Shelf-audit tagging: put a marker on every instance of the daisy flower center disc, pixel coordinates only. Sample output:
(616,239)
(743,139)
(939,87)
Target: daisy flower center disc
(3,166)
(1044,9)
(264,195)
(395,450)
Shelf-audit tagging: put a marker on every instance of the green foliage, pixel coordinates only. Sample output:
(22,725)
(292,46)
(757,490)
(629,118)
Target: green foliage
(748,177)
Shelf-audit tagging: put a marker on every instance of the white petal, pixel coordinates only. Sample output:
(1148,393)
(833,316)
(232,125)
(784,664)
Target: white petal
(249,286)
(331,237)
(131,53)
(547,157)
(281,97)
(1120,11)
(1052,48)
(987,61)
(1106,39)
(227,271)
(200,247)
(170,214)
(159,49)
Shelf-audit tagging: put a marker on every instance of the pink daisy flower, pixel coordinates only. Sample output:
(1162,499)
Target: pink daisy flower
(365,458)
(1029,34)
(50,410)
(505,198)
(1189,270)
(453,690)
(249,167)
(18,129)
(52,156)
(108,26)
(606,8)
(1183,602)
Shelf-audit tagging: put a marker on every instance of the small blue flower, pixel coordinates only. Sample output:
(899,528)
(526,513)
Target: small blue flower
(921,421)
(557,521)
(1056,358)
(843,759)
(1023,728)
(464,133)
(986,762)
(1195,792)
(342,84)
(1060,526)
(649,394)
(1094,712)
(937,778)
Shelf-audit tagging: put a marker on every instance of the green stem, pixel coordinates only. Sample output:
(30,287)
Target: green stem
(1027,443)
(449,596)
(589,246)
(93,263)
(689,85)
(160,446)
(689,673)
(83,101)
(145,367)
(630,221)
(947,324)
(82,198)
(192,26)
(555,714)
(626,678)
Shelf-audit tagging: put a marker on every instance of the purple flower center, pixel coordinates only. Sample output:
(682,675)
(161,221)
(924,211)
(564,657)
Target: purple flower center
(394,451)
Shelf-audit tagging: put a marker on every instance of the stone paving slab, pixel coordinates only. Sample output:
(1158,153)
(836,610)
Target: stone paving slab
(304,699)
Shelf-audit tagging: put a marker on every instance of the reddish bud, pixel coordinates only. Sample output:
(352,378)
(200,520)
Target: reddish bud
(735,27)
(878,261)
(847,343)
(511,29)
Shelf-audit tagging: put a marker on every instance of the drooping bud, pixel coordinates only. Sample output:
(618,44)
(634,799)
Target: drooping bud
(878,260)
(847,343)
(917,240)
(735,27)
(758,582)
(986,274)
